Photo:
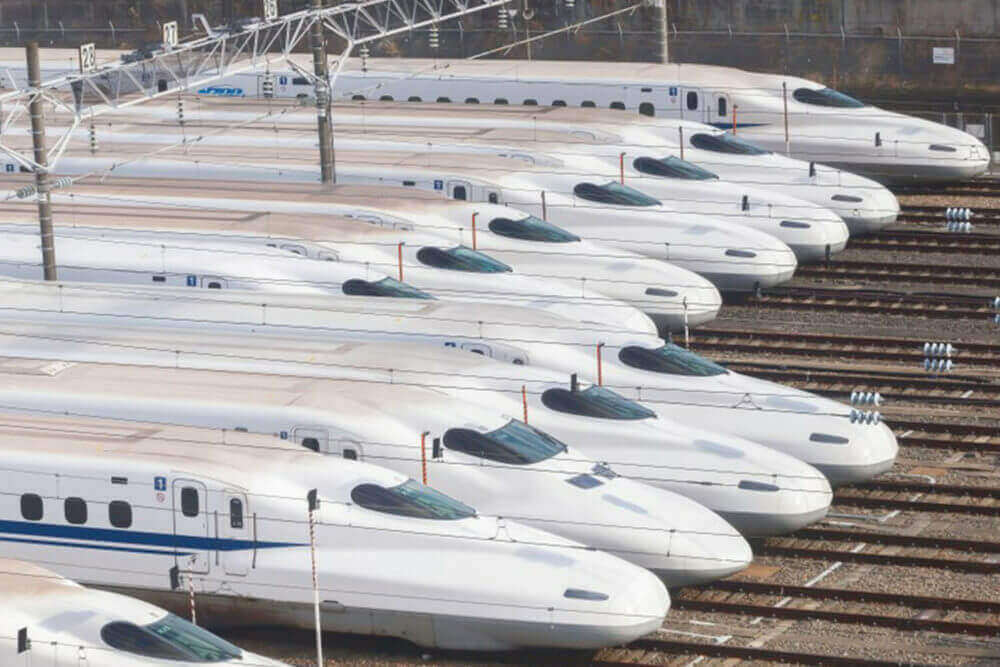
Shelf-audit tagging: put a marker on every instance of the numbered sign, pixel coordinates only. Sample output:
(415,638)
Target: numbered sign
(88,58)
(270,10)
(170,34)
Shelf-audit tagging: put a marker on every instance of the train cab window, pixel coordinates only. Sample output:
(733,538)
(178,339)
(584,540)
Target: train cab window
(615,193)
(692,101)
(31,506)
(672,167)
(558,103)
(826,97)
(410,499)
(847,198)
(300,81)
(530,102)
(588,104)
(726,143)
(444,99)
(385,287)
(618,105)
(595,402)
(414,98)
(385,98)
(459,192)
(235,513)
(472,100)
(460,258)
(350,454)
(531,229)
(119,514)
(941,148)
(670,359)
(75,510)
(501,100)
(358,98)
(189,501)
(723,107)
(171,638)
(647,109)
(515,443)
(311,443)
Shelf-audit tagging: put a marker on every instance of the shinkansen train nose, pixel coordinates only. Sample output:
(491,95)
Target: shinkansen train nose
(873,451)
(703,551)
(877,208)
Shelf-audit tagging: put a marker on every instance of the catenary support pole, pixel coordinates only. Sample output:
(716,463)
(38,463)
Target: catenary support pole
(41,171)
(664,33)
(317,43)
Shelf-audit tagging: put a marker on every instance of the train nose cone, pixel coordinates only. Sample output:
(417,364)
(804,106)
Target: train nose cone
(873,451)
(800,496)
(711,550)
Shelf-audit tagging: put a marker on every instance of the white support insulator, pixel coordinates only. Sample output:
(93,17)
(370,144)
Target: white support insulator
(26,191)
(877,400)
(996,303)
(948,365)
(855,416)
(877,417)
(996,319)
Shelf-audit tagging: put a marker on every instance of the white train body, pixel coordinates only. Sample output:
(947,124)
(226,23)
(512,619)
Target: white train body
(120,504)
(823,125)
(733,257)
(126,256)
(69,625)
(811,231)
(695,392)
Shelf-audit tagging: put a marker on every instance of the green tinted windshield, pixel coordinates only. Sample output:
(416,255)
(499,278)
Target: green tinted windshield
(672,167)
(670,359)
(531,229)
(827,97)
(171,638)
(595,402)
(613,193)
(726,143)
(460,258)
(412,500)
(384,287)
(515,443)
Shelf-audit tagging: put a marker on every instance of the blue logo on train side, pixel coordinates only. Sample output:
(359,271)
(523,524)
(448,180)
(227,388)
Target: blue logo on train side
(223,91)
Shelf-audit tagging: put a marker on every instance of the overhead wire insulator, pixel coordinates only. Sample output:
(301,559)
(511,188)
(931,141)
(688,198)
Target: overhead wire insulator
(93,139)
(502,18)
(434,39)
(267,85)
(180,110)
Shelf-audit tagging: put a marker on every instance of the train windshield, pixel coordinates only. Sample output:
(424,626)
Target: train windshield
(515,443)
(672,167)
(531,229)
(827,97)
(410,499)
(614,193)
(170,638)
(595,402)
(726,143)
(670,359)
(384,287)
(460,258)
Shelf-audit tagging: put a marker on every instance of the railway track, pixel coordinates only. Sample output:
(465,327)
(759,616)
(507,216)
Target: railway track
(636,654)
(897,272)
(974,188)
(873,348)
(973,505)
(874,301)
(946,435)
(921,241)
(934,215)
(897,540)
(802,548)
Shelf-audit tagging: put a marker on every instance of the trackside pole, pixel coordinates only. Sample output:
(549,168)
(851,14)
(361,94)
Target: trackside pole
(323,93)
(664,25)
(313,501)
(41,160)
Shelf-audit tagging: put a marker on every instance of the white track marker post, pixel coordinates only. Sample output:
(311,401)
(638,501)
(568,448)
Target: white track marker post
(313,501)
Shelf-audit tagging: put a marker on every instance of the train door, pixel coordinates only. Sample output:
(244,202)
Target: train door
(191,538)
(460,190)
(692,104)
(720,112)
(315,438)
(235,526)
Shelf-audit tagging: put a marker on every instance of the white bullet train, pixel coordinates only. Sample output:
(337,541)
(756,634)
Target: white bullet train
(663,291)
(819,123)
(656,147)
(814,233)
(731,256)
(68,625)
(159,512)
(488,459)
(124,256)
(691,389)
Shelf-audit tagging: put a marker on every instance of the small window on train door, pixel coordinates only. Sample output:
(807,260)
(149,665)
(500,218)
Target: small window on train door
(723,107)
(350,454)
(189,501)
(618,105)
(235,513)
(458,192)
(493,197)
(311,443)
(75,510)
(647,109)
(31,506)
(692,100)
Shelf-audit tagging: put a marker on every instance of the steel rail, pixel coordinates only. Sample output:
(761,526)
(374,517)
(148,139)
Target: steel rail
(833,555)
(888,539)
(898,272)
(883,302)
(840,498)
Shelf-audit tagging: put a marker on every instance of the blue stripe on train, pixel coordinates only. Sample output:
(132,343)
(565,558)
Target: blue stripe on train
(101,547)
(729,126)
(131,537)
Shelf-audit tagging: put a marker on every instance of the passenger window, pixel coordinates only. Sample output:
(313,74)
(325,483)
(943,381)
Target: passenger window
(235,513)
(76,510)
(501,100)
(458,192)
(723,107)
(300,81)
(120,514)
(558,103)
(31,506)
(692,101)
(413,98)
(159,279)
(494,198)
(471,100)
(587,103)
(351,454)
(444,99)
(647,109)
(385,98)
(311,443)
(618,105)
(530,103)
(214,285)
(358,98)
(189,501)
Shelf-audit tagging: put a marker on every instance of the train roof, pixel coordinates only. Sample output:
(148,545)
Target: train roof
(20,578)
